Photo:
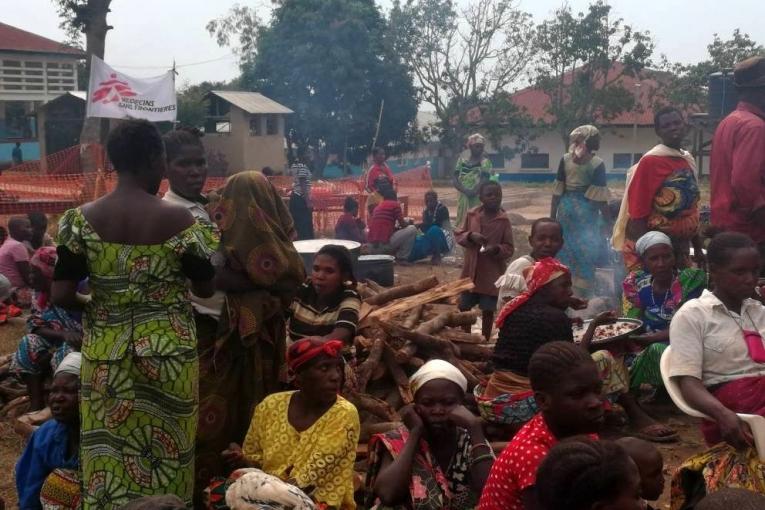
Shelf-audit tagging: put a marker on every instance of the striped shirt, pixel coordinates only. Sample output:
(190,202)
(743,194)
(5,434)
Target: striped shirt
(301,172)
(307,319)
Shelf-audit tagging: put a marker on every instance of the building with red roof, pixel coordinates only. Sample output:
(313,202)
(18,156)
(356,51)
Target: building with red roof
(33,70)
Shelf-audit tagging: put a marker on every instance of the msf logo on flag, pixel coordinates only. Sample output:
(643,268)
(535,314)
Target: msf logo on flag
(112,91)
(112,94)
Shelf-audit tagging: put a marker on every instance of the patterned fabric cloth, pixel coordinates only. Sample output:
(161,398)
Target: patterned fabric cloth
(507,398)
(302,183)
(646,367)
(583,190)
(138,406)
(541,273)
(432,242)
(470,175)
(47,450)
(306,318)
(516,468)
(717,468)
(240,359)
(303,351)
(26,360)
(321,456)
(664,191)
(656,312)
(430,487)
(61,490)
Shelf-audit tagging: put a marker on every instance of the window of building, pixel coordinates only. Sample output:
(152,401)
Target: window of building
(625,160)
(12,63)
(222,127)
(497,160)
(535,160)
(272,124)
(29,63)
(255,129)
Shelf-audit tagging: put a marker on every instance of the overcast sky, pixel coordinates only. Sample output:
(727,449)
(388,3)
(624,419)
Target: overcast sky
(149,34)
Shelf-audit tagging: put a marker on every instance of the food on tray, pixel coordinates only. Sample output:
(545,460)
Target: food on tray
(607,331)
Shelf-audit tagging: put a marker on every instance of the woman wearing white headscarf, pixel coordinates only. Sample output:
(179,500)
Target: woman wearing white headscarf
(468,175)
(653,294)
(440,457)
(580,204)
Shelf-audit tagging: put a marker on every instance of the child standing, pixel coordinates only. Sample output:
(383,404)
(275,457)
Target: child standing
(546,240)
(487,237)
(567,390)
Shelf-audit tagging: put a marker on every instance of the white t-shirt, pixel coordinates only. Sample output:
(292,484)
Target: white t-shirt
(512,282)
(708,343)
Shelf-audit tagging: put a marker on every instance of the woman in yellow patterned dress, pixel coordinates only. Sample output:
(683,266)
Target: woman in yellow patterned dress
(306,437)
(138,404)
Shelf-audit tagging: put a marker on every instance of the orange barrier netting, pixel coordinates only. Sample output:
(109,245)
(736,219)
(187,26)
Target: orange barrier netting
(57,183)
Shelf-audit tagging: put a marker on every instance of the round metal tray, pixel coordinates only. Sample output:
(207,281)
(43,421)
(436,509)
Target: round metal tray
(579,331)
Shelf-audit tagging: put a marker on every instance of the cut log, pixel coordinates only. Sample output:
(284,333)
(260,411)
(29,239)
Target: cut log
(394,399)
(434,309)
(15,407)
(416,362)
(428,342)
(366,369)
(374,286)
(404,355)
(473,352)
(374,406)
(413,318)
(364,291)
(402,291)
(460,337)
(398,375)
(452,318)
(430,295)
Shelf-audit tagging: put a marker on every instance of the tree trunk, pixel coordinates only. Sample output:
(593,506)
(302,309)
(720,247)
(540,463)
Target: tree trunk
(95,30)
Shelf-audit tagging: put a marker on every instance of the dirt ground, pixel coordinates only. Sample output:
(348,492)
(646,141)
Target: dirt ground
(524,203)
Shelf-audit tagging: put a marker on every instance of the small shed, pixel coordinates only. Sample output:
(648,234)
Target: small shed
(60,122)
(246,130)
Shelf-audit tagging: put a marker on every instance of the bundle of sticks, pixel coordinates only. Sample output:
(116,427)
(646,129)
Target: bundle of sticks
(400,329)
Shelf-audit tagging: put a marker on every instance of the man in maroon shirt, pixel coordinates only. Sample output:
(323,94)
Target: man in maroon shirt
(738,157)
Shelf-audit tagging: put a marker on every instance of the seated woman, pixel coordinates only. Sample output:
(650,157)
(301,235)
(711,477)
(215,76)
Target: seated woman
(327,305)
(718,358)
(349,226)
(653,295)
(52,332)
(440,457)
(581,474)
(306,437)
(538,316)
(47,471)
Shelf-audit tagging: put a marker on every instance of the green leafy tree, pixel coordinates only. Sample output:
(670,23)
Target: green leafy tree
(687,86)
(583,60)
(329,61)
(465,61)
(192,104)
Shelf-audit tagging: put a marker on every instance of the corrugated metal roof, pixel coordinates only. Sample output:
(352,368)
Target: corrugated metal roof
(251,102)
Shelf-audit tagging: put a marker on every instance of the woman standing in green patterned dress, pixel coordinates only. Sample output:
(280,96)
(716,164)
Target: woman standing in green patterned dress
(139,375)
(468,175)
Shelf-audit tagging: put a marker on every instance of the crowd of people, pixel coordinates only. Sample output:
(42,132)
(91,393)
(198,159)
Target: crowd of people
(188,360)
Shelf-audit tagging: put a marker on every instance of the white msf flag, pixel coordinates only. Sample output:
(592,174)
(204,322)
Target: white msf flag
(118,96)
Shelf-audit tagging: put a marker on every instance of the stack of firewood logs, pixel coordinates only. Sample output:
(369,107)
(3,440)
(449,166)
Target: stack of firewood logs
(400,329)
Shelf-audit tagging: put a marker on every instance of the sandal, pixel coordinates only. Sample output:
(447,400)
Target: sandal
(651,433)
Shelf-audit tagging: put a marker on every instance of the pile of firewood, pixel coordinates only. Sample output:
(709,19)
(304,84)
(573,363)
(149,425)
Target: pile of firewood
(400,329)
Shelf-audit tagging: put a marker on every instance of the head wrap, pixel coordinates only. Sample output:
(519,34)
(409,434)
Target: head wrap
(303,351)
(476,138)
(581,135)
(437,369)
(650,239)
(44,259)
(70,364)
(537,276)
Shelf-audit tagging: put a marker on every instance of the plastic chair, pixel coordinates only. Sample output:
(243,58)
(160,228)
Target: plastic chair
(756,423)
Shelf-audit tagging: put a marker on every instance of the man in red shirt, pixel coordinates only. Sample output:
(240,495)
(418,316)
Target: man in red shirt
(738,157)
(383,236)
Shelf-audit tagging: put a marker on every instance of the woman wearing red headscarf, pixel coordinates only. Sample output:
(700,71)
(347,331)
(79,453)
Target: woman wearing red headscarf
(306,437)
(538,316)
